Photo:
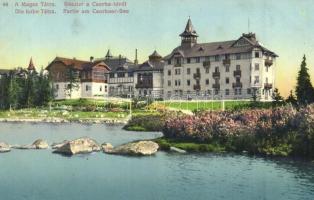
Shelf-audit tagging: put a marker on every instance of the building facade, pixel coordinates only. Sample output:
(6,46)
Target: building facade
(235,69)
(88,78)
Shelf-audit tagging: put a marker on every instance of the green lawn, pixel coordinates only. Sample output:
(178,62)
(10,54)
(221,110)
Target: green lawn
(42,113)
(205,105)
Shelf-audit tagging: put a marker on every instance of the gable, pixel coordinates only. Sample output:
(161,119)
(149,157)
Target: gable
(242,42)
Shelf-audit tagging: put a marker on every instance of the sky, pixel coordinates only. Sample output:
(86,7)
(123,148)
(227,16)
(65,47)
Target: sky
(283,26)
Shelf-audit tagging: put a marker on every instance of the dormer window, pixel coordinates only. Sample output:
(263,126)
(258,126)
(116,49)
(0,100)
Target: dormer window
(217,58)
(197,59)
(188,60)
(256,54)
(219,47)
(169,62)
(201,49)
(178,61)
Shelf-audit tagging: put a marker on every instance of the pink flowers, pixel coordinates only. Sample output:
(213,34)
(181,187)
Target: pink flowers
(263,123)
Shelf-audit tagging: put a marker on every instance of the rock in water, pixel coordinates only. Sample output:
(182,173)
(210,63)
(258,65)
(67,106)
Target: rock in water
(107,147)
(4,147)
(58,145)
(78,146)
(40,144)
(141,148)
(177,150)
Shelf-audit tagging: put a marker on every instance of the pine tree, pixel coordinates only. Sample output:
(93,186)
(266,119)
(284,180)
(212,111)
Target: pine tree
(14,91)
(44,92)
(278,99)
(304,88)
(291,98)
(72,76)
(4,92)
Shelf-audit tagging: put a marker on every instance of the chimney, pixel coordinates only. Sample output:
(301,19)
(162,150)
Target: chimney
(120,59)
(91,59)
(136,61)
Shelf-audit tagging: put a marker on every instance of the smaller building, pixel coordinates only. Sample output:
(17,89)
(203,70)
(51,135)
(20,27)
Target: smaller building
(120,76)
(149,77)
(89,76)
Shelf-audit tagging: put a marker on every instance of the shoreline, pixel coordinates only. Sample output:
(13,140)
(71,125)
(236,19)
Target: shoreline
(110,121)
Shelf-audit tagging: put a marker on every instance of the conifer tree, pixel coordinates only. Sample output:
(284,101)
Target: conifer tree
(304,89)
(291,98)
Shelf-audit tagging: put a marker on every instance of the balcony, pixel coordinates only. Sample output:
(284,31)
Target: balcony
(268,86)
(237,85)
(268,62)
(197,87)
(144,85)
(216,86)
(178,65)
(216,74)
(237,73)
(206,63)
(197,75)
(226,61)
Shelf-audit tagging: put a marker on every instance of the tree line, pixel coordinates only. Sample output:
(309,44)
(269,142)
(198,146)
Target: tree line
(304,90)
(32,90)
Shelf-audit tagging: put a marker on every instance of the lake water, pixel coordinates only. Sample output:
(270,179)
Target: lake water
(41,175)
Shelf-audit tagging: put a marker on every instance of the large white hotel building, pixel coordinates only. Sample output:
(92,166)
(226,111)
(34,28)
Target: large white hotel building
(234,69)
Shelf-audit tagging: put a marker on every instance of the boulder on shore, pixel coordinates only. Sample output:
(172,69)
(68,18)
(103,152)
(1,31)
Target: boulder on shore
(107,147)
(78,146)
(140,148)
(177,150)
(4,147)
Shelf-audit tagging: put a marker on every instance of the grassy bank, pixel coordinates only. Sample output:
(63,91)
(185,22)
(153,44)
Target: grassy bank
(69,115)
(212,105)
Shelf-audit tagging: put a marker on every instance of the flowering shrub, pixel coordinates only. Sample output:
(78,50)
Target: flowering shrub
(267,127)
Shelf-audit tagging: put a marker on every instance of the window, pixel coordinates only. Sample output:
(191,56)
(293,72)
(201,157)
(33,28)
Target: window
(240,91)
(197,59)
(209,92)
(256,54)
(111,75)
(188,60)
(188,82)
(188,71)
(256,67)
(57,87)
(175,82)
(179,82)
(86,88)
(177,71)
(227,68)
(178,60)
(100,88)
(216,92)
(256,81)
(197,70)
(130,74)
(105,88)
(169,72)
(248,91)
(238,79)
(227,92)
(207,81)
(238,56)
(216,69)
(121,74)
(169,62)
(217,58)
(169,83)
(227,80)
(238,67)
(207,70)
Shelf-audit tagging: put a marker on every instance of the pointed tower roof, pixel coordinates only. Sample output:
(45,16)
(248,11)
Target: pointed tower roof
(189,30)
(108,55)
(155,56)
(31,65)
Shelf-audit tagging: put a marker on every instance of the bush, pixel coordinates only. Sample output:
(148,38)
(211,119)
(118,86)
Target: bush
(278,131)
